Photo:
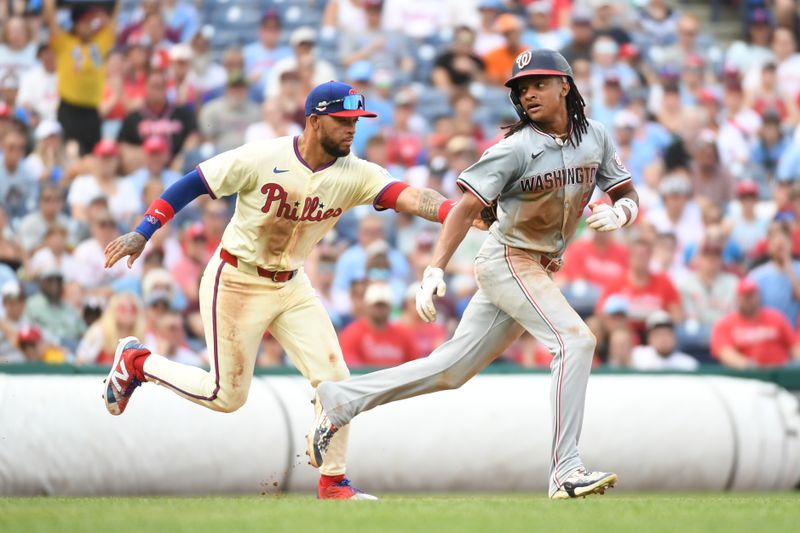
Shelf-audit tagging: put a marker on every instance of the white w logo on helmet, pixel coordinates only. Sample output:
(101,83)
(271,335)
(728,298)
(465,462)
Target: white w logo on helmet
(523,59)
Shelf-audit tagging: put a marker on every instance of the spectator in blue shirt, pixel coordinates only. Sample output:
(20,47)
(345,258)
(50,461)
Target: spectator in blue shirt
(261,55)
(352,263)
(156,157)
(769,146)
(778,279)
(610,101)
(635,153)
(359,75)
(539,34)
(789,163)
(181,17)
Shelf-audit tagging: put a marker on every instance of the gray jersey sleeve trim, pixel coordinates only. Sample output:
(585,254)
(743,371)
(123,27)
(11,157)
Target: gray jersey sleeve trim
(464,186)
(623,182)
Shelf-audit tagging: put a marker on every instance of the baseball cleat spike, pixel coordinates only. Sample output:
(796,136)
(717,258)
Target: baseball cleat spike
(121,380)
(319,438)
(582,483)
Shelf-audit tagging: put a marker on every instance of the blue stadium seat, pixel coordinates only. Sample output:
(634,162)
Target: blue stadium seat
(225,37)
(425,58)
(495,101)
(236,16)
(432,102)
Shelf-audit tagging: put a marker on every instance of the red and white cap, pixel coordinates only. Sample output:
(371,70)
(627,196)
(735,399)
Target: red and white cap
(746,286)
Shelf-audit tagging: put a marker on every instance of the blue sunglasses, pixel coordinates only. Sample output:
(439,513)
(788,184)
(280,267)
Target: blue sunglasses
(350,102)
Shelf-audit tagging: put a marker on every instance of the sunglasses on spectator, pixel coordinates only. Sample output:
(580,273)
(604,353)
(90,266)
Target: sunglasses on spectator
(161,305)
(105,223)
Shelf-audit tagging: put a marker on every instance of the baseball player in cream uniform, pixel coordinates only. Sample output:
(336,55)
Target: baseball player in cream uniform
(541,178)
(291,191)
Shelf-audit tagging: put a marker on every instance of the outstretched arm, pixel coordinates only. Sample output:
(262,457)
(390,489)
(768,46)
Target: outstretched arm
(161,211)
(424,203)
(49,15)
(455,227)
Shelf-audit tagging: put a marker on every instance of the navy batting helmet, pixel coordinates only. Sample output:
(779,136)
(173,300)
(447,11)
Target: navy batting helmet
(540,62)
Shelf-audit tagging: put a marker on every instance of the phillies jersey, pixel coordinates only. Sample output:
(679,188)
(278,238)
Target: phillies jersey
(284,207)
(542,184)
(765,339)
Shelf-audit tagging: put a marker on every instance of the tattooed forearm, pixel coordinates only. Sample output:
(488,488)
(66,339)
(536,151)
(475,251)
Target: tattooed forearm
(428,204)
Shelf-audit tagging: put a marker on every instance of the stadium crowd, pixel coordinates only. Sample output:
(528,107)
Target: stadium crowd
(101,109)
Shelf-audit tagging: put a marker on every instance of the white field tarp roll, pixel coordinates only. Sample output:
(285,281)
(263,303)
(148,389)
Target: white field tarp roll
(57,438)
(656,432)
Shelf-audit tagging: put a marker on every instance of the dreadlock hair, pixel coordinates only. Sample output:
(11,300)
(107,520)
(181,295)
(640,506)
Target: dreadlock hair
(577,124)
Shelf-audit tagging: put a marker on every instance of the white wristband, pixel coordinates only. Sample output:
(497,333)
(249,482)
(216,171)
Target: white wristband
(632,207)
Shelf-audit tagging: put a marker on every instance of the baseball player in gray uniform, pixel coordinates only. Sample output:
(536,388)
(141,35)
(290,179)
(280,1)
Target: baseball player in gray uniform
(541,177)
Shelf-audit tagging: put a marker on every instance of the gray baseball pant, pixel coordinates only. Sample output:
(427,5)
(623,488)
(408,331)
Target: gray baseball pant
(515,294)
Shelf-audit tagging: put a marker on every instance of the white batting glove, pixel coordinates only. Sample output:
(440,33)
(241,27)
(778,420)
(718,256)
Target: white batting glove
(432,283)
(606,218)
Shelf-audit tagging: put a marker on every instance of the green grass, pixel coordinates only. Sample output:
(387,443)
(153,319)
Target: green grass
(772,512)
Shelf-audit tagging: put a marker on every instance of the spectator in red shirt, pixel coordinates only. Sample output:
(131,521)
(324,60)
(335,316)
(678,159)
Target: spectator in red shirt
(645,291)
(404,144)
(372,340)
(599,260)
(426,336)
(753,335)
(187,272)
(528,352)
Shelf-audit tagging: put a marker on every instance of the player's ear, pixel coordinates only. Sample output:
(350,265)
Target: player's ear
(565,86)
(313,121)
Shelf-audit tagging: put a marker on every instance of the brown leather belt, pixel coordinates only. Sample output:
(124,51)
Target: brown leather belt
(550,264)
(279,276)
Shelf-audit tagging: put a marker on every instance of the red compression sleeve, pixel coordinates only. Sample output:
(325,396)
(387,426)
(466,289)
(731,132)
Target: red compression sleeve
(387,198)
(444,210)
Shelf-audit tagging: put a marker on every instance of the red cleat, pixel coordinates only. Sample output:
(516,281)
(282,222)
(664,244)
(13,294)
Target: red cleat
(122,379)
(341,490)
